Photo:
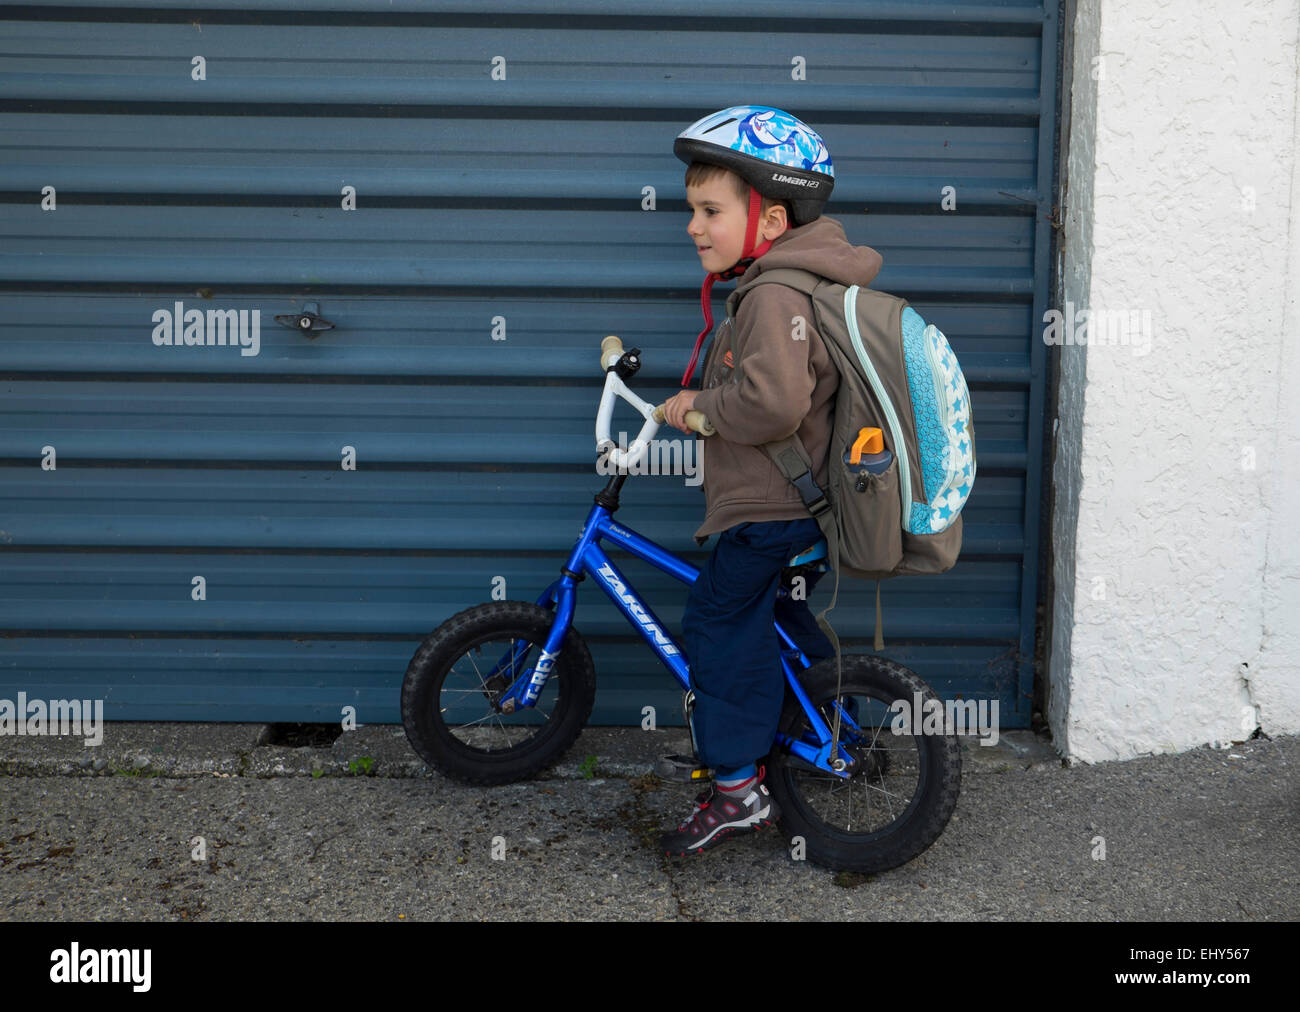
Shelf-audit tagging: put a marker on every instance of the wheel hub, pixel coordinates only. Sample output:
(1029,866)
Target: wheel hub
(867,761)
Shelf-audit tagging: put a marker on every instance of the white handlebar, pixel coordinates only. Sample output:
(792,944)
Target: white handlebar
(611,350)
(631,457)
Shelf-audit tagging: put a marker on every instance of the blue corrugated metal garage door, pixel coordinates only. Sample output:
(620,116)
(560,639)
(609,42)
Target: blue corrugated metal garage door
(499,163)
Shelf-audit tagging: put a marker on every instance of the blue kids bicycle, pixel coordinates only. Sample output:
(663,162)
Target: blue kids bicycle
(499,691)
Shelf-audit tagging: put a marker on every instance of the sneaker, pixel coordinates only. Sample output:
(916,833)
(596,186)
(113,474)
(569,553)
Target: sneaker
(717,816)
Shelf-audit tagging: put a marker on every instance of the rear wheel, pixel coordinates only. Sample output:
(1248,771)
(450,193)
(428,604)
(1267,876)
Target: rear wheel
(464,667)
(903,787)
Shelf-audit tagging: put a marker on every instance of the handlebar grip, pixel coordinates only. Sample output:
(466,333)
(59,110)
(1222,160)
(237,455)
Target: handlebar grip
(610,346)
(694,420)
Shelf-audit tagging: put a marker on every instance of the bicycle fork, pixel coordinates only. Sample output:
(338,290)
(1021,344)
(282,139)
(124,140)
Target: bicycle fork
(523,691)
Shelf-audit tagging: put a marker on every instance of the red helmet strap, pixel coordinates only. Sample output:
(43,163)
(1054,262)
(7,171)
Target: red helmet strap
(706,293)
(751,228)
(748,255)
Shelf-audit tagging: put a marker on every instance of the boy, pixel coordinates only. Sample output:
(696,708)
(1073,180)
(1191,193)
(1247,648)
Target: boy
(756,182)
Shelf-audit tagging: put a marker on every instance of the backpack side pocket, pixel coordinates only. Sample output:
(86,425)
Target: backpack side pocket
(870,521)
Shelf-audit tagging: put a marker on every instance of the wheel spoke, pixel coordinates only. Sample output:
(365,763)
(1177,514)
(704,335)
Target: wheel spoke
(849,824)
(473,723)
(885,793)
(481,680)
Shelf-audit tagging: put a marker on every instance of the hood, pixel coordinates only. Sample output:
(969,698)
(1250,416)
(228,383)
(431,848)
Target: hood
(821,247)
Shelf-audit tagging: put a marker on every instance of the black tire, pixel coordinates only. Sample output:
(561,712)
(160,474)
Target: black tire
(449,719)
(903,790)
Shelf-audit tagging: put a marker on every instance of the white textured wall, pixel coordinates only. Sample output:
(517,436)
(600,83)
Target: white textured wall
(1274,679)
(1177,572)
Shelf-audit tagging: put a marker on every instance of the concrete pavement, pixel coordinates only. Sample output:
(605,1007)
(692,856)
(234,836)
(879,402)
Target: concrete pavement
(361,830)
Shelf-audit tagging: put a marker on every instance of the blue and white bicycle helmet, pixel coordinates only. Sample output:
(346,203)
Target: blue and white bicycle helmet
(777,154)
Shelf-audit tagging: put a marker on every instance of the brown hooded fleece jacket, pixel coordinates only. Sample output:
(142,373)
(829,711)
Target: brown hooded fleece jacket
(761,383)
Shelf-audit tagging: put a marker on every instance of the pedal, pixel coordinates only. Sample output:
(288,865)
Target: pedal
(681,769)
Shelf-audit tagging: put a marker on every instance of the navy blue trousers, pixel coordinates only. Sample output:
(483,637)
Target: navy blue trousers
(733,650)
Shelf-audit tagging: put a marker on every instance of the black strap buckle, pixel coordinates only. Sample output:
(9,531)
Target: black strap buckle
(812,496)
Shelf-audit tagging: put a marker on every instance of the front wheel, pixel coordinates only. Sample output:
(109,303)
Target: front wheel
(459,674)
(902,789)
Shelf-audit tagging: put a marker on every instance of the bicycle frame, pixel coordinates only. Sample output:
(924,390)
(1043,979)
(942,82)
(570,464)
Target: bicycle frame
(589,558)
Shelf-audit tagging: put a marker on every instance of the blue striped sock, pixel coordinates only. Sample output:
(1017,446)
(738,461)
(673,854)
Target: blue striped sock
(736,781)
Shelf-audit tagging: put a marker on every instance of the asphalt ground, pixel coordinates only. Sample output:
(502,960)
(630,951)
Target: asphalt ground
(199,822)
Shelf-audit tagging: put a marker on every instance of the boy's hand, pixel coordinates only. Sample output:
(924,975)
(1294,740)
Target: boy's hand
(675,408)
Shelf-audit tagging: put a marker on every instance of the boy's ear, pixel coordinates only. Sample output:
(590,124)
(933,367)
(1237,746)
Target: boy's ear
(774,222)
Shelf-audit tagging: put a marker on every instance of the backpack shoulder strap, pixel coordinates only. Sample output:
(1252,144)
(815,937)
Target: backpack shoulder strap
(792,460)
(791,277)
(794,277)
(789,454)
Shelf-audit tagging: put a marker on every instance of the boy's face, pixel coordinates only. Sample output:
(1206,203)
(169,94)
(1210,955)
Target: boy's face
(718,220)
